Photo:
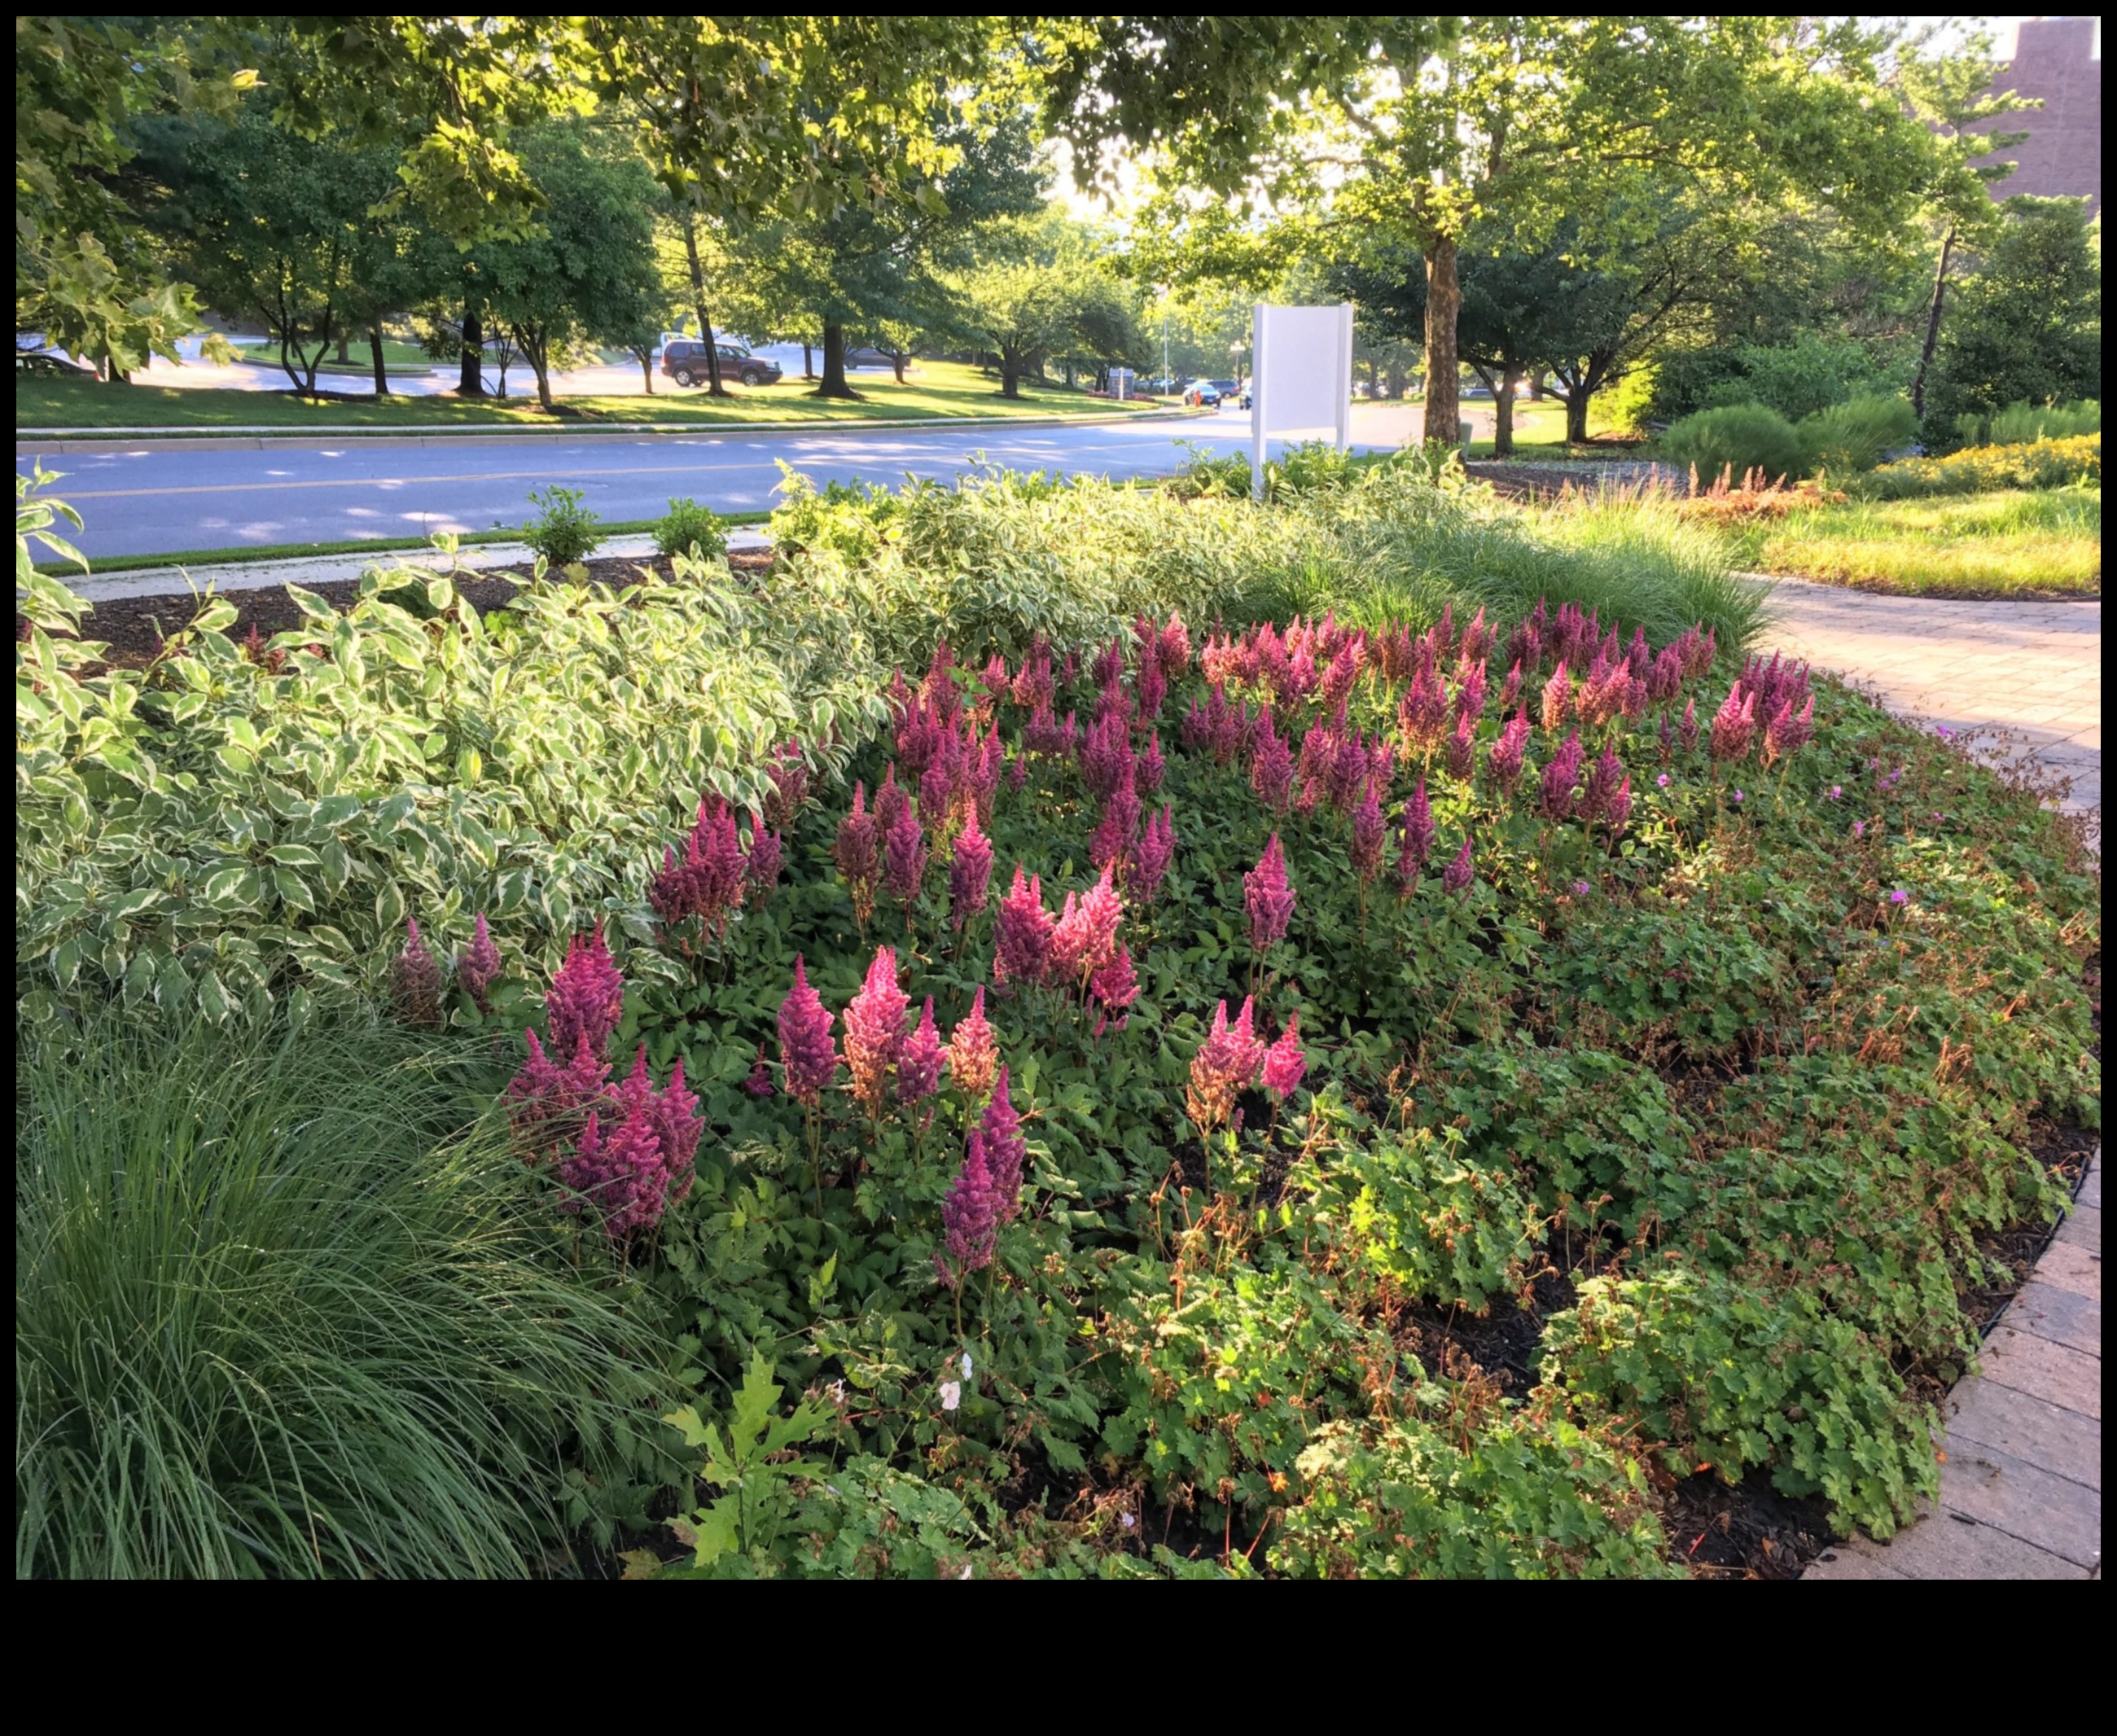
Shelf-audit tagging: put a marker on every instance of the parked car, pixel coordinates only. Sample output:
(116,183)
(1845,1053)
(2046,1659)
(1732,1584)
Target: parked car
(684,361)
(1232,392)
(50,362)
(866,355)
(1202,394)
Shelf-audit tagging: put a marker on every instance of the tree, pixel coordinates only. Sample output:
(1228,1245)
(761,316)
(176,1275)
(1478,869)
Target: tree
(1041,288)
(276,228)
(1951,93)
(2028,327)
(587,273)
(741,115)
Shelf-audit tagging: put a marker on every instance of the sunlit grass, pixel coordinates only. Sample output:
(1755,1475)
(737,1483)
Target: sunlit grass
(2047,542)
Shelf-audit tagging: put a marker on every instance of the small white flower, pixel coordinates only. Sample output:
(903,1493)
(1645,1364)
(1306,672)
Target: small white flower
(967,1364)
(966,1573)
(1126,1521)
(952,1395)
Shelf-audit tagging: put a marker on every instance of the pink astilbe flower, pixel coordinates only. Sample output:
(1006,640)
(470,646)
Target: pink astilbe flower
(1459,875)
(1417,839)
(1268,896)
(760,863)
(937,786)
(478,967)
(1150,686)
(1617,810)
(973,1051)
(1226,1063)
(1086,938)
(1599,786)
(1006,1150)
(1336,685)
(624,1176)
(1470,696)
(1560,777)
(859,852)
(547,1104)
(586,999)
(1111,845)
(1146,779)
(1734,724)
(1556,691)
(1789,732)
(1151,856)
(1687,730)
(1478,640)
(890,801)
(903,856)
(1422,713)
(1512,688)
(1285,1063)
(1461,754)
(1505,758)
(1106,757)
(415,980)
(1369,829)
(759,1084)
(1665,675)
(1172,649)
(678,1126)
(918,1062)
(1114,988)
(970,873)
(874,1032)
(970,1217)
(807,1059)
(1021,932)
(789,793)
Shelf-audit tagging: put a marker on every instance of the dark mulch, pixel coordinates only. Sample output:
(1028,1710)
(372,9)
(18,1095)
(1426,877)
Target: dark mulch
(135,626)
(1503,1343)
(1743,1530)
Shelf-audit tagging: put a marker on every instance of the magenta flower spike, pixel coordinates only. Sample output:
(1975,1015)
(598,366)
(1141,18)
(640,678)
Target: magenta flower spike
(1560,777)
(1285,1063)
(415,979)
(789,787)
(678,1126)
(1461,754)
(1272,768)
(1147,778)
(1114,988)
(807,1058)
(1369,828)
(478,967)
(1734,724)
(1225,1063)
(1510,689)
(970,873)
(1470,696)
(1006,1150)
(1459,875)
(1789,732)
(1688,728)
(760,865)
(1507,754)
(973,1051)
(859,850)
(889,801)
(586,999)
(970,1217)
(1086,938)
(1269,897)
(1418,838)
(1617,810)
(759,1084)
(874,1032)
(1022,933)
(1556,693)
(1173,647)
(904,856)
(1151,856)
(919,1064)
(1600,786)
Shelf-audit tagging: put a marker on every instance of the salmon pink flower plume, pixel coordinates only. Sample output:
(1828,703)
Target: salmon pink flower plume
(1269,897)
(874,1032)
(1556,693)
(586,997)
(1285,1063)
(1086,938)
(806,1055)
(1734,724)
(973,1051)
(1225,1063)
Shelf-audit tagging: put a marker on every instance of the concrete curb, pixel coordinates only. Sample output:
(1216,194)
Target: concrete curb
(39,442)
(309,571)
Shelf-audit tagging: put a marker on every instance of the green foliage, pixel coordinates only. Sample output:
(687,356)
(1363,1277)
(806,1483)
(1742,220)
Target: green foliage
(689,528)
(1854,437)
(1799,379)
(277,1316)
(2021,424)
(2003,543)
(752,1468)
(1733,442)
(562,531)
(2042,463)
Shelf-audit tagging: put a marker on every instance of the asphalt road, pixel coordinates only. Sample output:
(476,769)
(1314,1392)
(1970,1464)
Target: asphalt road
(162,502)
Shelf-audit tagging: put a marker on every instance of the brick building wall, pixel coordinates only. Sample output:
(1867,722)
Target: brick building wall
(2054,59)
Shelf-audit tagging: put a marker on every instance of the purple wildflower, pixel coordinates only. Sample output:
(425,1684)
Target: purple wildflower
(807,1058)
(1269,897)
(478,967)
(970,1217)
(415,980)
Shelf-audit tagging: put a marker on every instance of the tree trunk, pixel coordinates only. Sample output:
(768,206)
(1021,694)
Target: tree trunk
(897,359)
(1536,385)
(1444,304)
(375,357)
(1503,412)
(1010,375)
(714,387)
(807,361)
(1577,396)
(470,376)
(646,368)
(833,385)
(1932,325)
(344,356)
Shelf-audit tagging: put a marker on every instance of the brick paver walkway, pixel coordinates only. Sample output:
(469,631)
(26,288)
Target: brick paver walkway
(2021,1487)
(2023,679)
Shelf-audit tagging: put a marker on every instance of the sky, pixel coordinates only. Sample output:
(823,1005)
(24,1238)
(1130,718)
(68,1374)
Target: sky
(2003,32)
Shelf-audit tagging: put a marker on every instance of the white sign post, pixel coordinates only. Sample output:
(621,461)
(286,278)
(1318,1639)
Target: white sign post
(1301,378)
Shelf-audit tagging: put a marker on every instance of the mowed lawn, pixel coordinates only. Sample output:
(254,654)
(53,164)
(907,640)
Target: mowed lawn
(2046,542)
(939,390)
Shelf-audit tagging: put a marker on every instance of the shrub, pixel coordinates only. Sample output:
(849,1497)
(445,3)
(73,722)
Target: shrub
(2043,463)
(1797,379)
(2019,424)
(273,1318)
(564,531)
(689,528)
(1856,435)
(1734,440)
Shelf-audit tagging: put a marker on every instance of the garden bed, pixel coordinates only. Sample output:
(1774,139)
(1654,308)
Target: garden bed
(1532,1093)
